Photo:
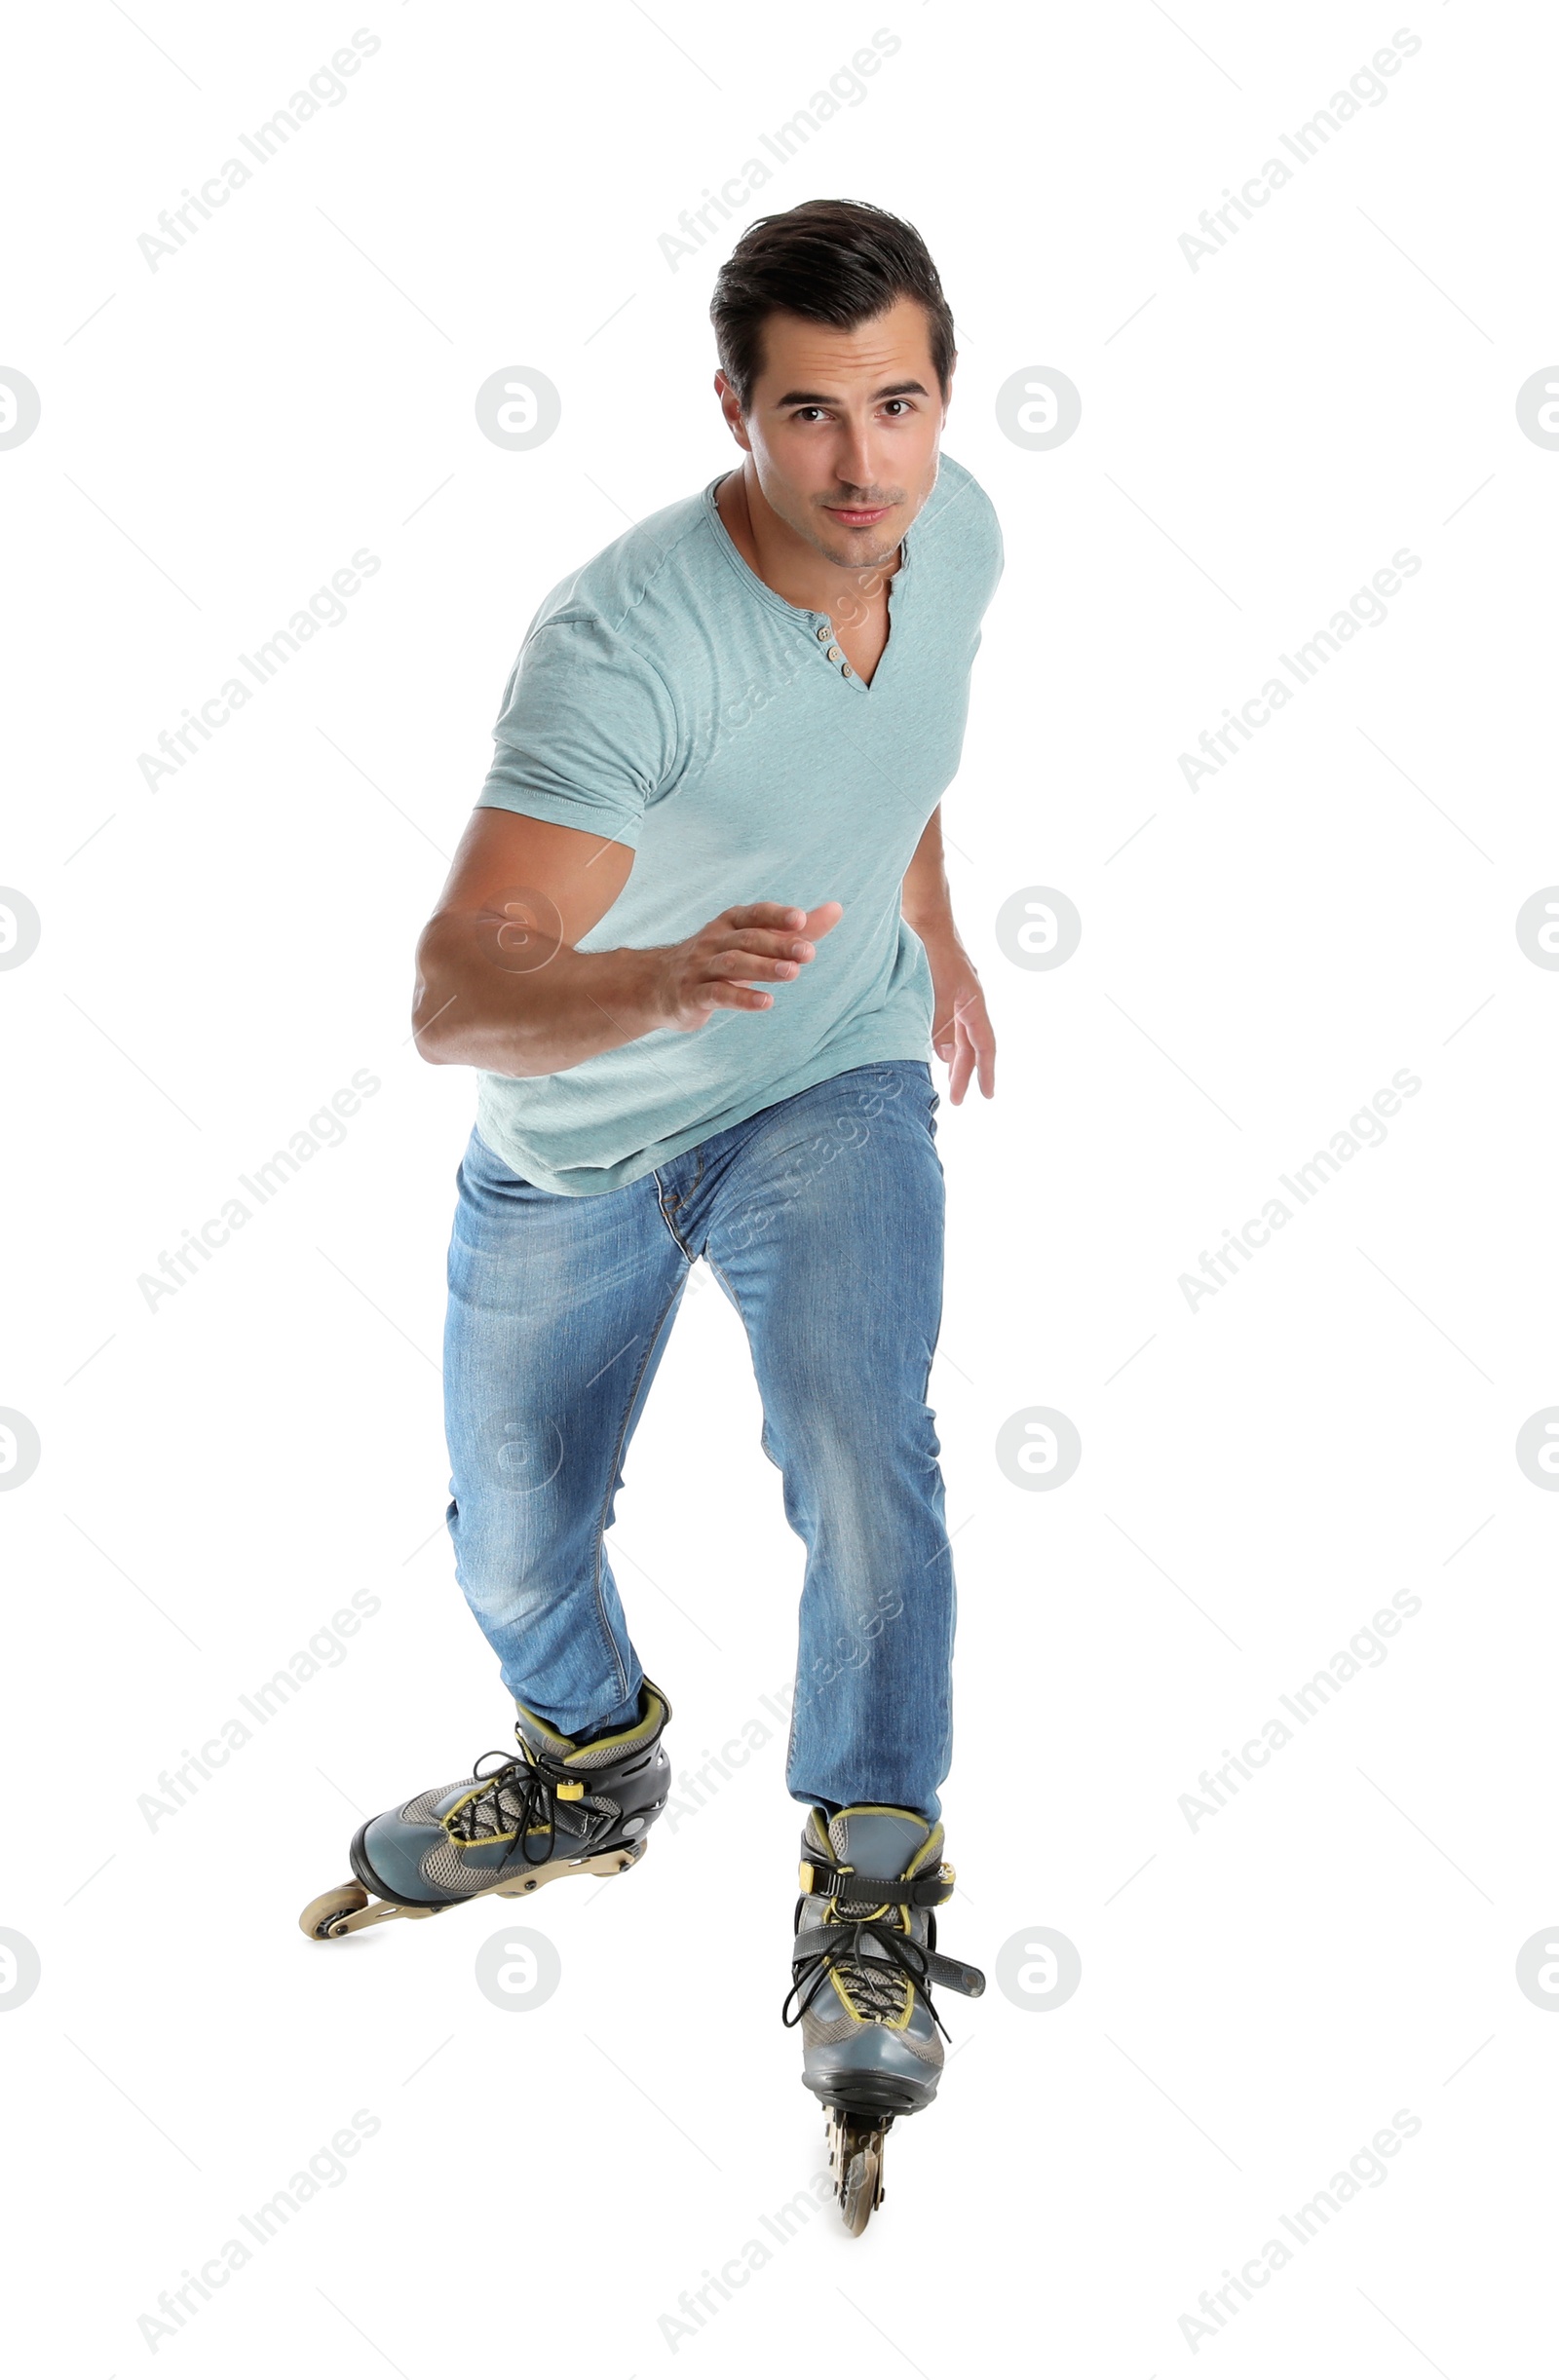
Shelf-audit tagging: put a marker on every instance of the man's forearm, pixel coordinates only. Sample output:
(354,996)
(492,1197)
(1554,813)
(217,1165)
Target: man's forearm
(927,906)
(473,1007)
(934,923)
(924,899)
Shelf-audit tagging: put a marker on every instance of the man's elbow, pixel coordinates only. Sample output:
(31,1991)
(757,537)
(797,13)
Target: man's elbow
(464,1015)
(429,1043)
(435,1005)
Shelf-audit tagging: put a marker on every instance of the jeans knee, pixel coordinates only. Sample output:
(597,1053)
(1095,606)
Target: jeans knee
(511,1557)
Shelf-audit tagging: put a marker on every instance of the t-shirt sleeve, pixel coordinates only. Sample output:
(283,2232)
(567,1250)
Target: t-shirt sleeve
(996,552)
(587,734)
(993,561)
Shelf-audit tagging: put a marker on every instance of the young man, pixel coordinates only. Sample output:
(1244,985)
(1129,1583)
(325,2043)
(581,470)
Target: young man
(697,942)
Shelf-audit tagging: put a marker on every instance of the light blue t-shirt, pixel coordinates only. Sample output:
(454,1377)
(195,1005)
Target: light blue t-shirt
(666,697)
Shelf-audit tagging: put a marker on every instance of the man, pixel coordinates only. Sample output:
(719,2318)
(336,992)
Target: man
(696,940)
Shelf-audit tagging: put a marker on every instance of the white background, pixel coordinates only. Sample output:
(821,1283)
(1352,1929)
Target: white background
(1260,1995)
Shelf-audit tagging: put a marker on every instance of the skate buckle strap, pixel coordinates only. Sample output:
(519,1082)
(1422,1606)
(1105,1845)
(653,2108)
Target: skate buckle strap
(835,1883)
(849,1937)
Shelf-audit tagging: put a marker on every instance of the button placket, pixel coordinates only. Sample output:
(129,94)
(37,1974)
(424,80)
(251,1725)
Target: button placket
(834,652)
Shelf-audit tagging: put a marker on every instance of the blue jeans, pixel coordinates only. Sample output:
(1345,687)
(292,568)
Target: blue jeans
(822,1220)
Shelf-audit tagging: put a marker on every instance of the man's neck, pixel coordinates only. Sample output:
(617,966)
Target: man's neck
(785,560)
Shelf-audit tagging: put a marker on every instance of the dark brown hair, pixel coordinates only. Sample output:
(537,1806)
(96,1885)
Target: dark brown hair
(830,260)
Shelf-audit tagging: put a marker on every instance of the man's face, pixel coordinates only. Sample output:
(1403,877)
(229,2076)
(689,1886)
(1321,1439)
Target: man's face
(844,429)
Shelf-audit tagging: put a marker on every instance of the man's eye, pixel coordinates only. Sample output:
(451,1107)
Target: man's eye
(902,403)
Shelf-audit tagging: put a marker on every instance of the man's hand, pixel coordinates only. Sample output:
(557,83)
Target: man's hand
(961,1031)
(502,985)
(721,965)
(962,1034)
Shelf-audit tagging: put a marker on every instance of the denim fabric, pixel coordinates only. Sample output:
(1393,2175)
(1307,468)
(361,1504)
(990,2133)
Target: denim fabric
(821,1219)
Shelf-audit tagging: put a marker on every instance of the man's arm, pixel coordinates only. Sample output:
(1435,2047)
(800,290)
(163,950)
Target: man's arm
(927,902)
(962,1034)
(500,984)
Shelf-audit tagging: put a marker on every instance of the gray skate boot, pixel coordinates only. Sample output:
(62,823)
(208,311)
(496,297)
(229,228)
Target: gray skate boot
(865,1952)
(558,1808)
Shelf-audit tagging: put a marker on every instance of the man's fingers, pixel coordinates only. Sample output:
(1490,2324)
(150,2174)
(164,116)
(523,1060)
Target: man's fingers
(966,1044)
(731,996)
(976,1049)
(777,915)
(976,1030)
(734,966)
(773,914)
(768,945)
(759,942)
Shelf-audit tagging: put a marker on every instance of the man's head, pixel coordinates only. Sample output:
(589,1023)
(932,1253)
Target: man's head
(836,368)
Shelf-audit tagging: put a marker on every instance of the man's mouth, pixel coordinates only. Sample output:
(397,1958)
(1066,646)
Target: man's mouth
(858,516)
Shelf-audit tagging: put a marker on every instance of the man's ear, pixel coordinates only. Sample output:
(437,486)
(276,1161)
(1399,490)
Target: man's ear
(732,410)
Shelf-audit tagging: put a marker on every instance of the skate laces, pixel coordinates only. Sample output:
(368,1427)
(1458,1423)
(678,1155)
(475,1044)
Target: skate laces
(878,1988)
(483,1817)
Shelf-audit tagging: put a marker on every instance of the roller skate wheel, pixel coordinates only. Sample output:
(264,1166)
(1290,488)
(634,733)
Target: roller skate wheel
(859,2188)
(323,1920)
(855,2154)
